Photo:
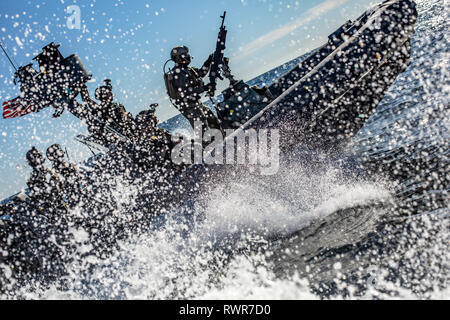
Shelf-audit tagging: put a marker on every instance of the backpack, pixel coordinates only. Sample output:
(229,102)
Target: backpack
(171,90)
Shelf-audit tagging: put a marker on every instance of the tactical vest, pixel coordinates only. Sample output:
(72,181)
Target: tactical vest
(172,90)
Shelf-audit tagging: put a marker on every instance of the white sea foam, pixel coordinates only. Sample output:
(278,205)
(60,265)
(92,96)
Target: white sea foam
(203,259)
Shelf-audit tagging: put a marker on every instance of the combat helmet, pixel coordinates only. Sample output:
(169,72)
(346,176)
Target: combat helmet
(180,55)
(105,91)
(34,157)
(55,153)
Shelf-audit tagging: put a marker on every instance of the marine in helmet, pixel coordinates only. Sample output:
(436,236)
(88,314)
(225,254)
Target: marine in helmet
(185,85)
(107,112)
(67,173)
(154,143)
(44,185)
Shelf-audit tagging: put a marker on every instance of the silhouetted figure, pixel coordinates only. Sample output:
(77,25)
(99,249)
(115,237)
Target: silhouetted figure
(67,173)
(185,85)
(106,113)
(152,143)
(44,185)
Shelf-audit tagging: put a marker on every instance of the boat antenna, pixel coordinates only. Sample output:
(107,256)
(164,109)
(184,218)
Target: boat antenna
(7,55)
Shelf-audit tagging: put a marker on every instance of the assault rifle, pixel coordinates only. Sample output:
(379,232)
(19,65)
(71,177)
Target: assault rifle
(218,58)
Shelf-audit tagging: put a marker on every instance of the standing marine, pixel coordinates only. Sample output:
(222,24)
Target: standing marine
(185,85)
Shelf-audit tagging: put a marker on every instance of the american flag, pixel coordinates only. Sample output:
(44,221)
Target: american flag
(16,108)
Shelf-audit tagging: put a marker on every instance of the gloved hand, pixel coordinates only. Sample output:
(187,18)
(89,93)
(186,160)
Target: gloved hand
(206,65)
(209,60)
(209,87)
(58,112)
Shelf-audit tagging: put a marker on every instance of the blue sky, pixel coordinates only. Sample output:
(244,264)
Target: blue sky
(129,41)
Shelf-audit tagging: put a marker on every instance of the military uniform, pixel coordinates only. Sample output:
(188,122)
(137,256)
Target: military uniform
(153,144)
(107,113)
(70,180)
(45,188)
(186,85)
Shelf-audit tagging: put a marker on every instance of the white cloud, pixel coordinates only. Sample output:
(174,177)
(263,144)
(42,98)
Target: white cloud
(284,30)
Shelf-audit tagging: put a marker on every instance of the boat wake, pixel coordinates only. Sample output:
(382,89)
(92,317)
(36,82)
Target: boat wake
(227,239)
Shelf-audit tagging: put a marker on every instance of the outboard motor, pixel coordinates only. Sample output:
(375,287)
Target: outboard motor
(240,103)
(56,84)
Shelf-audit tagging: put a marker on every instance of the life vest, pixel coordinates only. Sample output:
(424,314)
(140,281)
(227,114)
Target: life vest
(191,76)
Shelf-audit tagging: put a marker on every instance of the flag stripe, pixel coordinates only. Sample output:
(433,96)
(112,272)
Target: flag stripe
(15,108)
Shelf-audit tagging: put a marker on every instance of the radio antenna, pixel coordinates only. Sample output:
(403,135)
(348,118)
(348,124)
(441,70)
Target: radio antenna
(7,55)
